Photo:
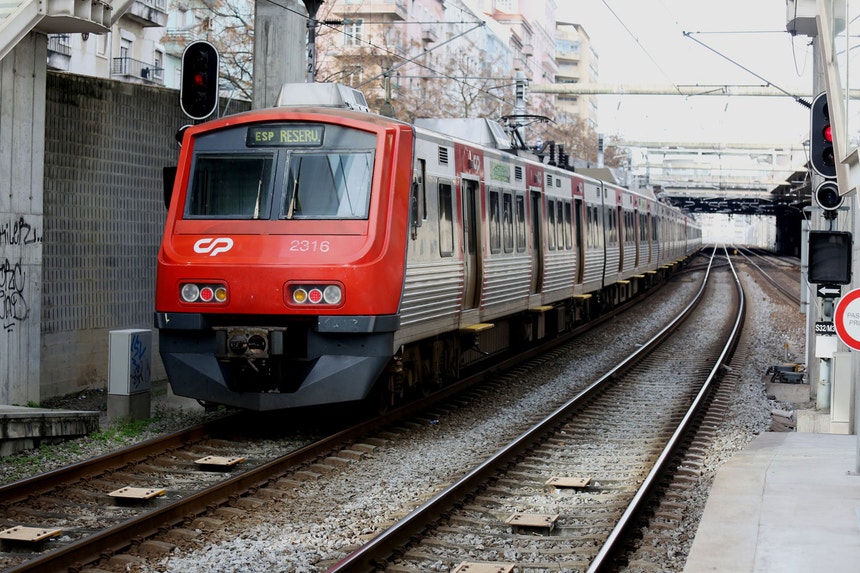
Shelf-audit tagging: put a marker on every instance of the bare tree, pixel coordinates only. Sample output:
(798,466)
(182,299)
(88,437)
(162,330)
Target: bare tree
(614,155)
(229,26)
(572,132)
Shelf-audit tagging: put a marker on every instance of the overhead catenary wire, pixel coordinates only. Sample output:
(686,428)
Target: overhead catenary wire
(799,100)
(638,42)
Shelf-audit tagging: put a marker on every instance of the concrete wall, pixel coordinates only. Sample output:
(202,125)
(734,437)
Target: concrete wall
(22,121)
(105,145)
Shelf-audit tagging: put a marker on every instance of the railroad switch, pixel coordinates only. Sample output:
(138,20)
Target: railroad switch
(489,567)
(528,521)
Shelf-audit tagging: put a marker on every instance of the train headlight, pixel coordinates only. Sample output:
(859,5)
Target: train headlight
(189,292)
(203,293)
(332,294)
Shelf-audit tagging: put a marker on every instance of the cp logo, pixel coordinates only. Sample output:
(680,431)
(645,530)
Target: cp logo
(213,246)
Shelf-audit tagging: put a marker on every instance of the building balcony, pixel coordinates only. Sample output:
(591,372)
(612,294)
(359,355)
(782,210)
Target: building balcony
(148,13)
(380,9)
(59,52)
(136,71)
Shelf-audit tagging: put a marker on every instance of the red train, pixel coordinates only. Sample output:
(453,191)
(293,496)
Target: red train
(315,253)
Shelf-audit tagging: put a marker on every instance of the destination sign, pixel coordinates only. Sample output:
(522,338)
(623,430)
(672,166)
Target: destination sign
(285,136)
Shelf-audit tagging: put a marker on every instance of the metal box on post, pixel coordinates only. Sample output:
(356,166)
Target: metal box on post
(129,374)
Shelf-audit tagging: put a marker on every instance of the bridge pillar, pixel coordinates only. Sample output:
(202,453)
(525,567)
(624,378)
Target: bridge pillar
(22,155)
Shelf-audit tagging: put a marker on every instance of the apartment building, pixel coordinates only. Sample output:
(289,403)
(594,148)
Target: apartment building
(133,49)
(577,63)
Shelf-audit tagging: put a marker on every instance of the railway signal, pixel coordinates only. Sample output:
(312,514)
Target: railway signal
(830,257)
(198,92)
(822,156)
(828,198)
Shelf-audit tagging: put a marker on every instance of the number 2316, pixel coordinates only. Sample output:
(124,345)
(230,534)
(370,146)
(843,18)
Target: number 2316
(298,246)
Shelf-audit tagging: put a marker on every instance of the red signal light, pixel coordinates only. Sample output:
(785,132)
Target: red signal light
(828,133)
(199,92)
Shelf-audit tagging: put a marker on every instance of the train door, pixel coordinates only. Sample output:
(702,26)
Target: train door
(578,222)
(537,243)
(621,231)
(471,235)
(637,220)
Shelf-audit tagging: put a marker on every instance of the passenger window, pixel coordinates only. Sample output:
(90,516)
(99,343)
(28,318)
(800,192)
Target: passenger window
(495,226)
(559,224)
(568,227)
(508,222)
(521,223)
(446,221)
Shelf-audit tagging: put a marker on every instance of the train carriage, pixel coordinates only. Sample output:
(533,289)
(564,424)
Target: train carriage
(314,254)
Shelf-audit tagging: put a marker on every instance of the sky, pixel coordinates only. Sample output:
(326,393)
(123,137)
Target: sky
(642,42)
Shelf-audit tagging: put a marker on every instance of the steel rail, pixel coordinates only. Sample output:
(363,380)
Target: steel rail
(38,484)
(781,288)
(375,551)
(79,554)
(613,544)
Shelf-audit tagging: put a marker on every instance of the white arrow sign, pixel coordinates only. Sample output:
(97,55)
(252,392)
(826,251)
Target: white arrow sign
(829,291)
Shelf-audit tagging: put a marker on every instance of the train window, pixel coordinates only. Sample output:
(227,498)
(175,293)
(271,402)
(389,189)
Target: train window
(446,220)
(495,225)
(508,222)
(589,226)
(629,227)
(612,225)
(521,223)
(231,186)
(328,186)
(550,224)
(568,227)
(559,224)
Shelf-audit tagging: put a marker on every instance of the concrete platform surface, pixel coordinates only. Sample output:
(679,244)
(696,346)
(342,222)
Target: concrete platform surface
(24,428)
(788,503)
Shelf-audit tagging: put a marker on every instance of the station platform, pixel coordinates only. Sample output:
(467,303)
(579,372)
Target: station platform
(788,503)
(24,428)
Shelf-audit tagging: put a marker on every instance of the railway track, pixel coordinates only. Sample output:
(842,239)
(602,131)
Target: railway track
(96,527)
(783,275)
(565,493)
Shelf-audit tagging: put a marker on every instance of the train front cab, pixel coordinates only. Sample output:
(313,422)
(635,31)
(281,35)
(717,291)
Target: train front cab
(247,220)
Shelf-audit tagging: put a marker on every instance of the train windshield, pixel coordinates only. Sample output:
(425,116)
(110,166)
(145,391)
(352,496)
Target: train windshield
(328,186)
(232,186)
(282,171)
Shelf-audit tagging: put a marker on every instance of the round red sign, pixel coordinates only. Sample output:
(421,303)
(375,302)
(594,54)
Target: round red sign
(846,318)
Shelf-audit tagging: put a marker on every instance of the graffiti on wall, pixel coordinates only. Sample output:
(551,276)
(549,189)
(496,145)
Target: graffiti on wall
(139,370)
(14,308)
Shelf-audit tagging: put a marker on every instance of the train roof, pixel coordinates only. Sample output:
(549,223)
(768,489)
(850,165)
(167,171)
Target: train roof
(322,95)
(480,131)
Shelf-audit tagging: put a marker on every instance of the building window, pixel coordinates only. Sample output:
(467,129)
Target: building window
(353,33)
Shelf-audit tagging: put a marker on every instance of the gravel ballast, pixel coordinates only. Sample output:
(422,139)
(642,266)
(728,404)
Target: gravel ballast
(342,511)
